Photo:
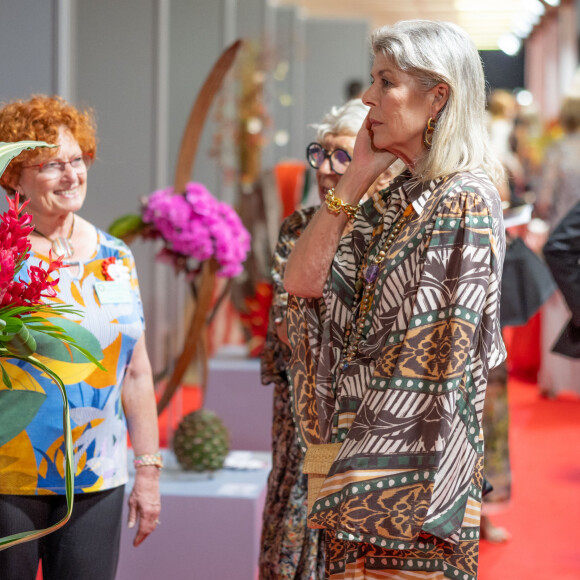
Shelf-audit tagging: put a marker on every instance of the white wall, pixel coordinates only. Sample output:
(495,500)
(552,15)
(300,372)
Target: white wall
(27,62)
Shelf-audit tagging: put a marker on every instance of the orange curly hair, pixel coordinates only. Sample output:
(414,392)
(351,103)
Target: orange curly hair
(40,119)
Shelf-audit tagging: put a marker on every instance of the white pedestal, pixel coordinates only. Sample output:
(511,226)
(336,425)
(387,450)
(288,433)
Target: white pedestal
(210,527)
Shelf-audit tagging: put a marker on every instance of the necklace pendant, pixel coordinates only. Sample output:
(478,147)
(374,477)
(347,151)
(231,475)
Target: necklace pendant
(62,247)
(371,273)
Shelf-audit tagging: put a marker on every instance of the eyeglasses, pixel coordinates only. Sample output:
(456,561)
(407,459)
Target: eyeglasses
(53,169)
(339,158)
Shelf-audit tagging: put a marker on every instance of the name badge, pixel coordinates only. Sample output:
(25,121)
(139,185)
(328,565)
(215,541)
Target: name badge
(113,292)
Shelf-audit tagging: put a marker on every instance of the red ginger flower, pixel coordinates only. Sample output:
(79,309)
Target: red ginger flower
(14,249)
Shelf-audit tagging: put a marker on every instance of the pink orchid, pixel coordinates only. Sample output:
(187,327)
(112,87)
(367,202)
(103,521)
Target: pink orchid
(196,227)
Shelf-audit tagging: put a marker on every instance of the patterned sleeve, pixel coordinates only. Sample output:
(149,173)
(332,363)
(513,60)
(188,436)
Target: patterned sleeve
(290,231)
(129,260)
(122,268)
(275,354)
(424,402)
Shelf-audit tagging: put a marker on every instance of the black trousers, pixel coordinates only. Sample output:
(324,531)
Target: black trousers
(85,548)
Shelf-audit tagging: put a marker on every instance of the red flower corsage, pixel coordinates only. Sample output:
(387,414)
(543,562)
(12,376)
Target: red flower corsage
(113,270)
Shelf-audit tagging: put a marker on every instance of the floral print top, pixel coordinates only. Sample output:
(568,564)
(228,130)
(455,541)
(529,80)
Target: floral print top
(105,291)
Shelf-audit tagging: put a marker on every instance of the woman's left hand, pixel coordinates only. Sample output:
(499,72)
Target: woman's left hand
(145,502)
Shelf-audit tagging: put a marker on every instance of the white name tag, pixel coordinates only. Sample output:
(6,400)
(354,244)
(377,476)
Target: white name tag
(113,292)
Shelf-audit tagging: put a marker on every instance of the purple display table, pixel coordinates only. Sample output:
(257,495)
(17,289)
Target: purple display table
(210,526)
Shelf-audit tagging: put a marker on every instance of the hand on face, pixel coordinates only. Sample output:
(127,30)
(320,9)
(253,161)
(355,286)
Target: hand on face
(366,156)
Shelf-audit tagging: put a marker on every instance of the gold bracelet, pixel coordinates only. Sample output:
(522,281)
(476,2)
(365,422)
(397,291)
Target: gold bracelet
(154,459)
(336,205)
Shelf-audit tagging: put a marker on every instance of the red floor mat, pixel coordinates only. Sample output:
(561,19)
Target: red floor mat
(544,514)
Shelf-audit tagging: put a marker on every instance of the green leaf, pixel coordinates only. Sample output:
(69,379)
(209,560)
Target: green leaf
(17,409)
(5,377)
(10,150)
(21,341)
(126,225)
(82,341)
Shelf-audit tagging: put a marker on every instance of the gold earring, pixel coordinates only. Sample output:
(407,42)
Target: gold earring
(428,132)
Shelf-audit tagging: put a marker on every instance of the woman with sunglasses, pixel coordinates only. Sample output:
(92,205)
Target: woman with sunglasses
(100,282)
(394,327)
(289,549)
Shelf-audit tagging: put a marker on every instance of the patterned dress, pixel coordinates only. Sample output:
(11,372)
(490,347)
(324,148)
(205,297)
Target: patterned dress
(289,550)
(106,292)
(402,498)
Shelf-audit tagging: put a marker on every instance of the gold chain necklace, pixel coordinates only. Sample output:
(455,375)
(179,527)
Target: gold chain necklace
(366,281)
(62,247)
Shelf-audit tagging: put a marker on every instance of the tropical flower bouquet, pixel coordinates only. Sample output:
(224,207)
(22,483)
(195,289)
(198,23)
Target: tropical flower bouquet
(25,327)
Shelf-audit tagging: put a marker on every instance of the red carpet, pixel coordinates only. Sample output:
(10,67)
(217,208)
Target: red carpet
(544,514)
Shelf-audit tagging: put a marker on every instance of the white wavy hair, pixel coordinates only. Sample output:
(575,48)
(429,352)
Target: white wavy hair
(344,120)
(442,52)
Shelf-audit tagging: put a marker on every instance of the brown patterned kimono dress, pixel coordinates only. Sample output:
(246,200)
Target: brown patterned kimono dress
(289,549)
(402,498)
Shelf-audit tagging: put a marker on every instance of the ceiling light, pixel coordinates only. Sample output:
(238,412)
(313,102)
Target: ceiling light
(524,98)
(535,7)
(522,29)
(552,2)
(509,43)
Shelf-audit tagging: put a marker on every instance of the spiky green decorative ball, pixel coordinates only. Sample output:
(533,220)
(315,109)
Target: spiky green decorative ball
(201,441)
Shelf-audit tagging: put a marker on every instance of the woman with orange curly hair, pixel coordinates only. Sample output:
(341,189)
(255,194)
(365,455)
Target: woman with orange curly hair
(100,282)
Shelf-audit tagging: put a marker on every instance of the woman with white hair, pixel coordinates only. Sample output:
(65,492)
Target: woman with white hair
(289,549)
(395,326)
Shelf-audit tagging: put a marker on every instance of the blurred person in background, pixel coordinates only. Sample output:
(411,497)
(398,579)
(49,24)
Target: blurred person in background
(562,253)
(559,191)
(526,285)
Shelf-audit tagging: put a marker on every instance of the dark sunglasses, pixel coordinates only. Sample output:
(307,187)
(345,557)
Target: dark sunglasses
(339,158)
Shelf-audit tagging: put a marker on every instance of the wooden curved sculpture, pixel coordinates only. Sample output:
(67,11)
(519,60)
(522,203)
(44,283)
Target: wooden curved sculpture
(183,172)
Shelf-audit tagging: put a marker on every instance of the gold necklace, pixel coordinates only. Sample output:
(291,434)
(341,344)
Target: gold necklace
(62,247)
(366,281)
